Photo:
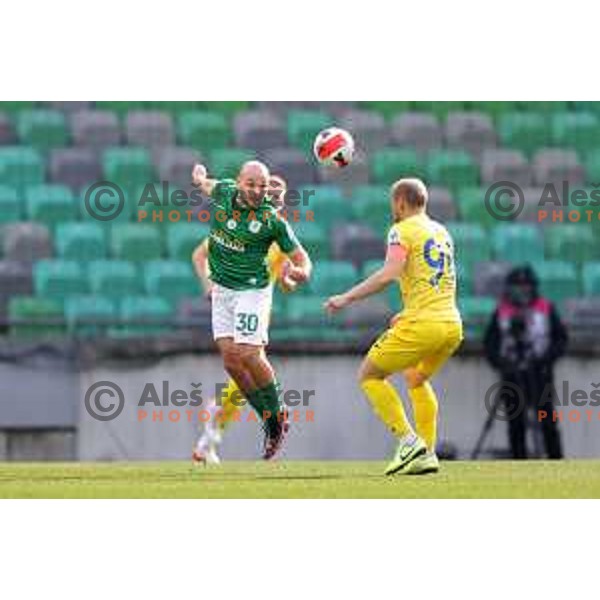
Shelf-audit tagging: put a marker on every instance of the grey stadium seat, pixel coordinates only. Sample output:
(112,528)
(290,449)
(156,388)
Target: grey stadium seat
(337,108)
(349,177)
(368,129)
(26,242)
(505,165)
(292,164)
(372,312)
(441,206)
(420,131)
(583,314)
(149,129)
(356,243)
(489,276)
(174,164)
(557,165)
(471,131)
(74,167)
(15,279)
(259,130)
(96,129)
(7,132)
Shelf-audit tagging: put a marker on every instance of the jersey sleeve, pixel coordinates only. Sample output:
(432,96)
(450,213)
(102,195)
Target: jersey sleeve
(223,193)
(398,243)
(285,236)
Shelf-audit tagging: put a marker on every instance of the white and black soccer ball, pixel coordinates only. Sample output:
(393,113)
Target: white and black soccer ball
(334,147)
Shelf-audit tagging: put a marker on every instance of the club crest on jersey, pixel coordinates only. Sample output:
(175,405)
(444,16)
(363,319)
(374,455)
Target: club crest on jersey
(231,224)
(254,226)
(393,237)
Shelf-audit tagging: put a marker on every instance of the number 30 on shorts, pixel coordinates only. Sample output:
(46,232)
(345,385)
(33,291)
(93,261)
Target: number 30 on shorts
(246,322)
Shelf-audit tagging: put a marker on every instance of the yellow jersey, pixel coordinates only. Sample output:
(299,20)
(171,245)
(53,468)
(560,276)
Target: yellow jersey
(275,260)
(428,284)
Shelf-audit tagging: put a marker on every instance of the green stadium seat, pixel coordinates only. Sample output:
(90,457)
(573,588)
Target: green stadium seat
(204,131)
(80,241)
(136,242)
(183,238)
(36,314)
(495,108)
(121,107)
(439,109)
(592,106)
(226,162)
(326,202)
(332,277)
(42,129)
(307,321)
(471,206)
(16,106)
(390,164)
(524,131)
(303,126)
(114,278)
(580,131)
(226,107)
(129,167)
(50,204)
(21,166)
(371,204)
(544,107)
(558,279)
(10,205)
(172,280)
(592,167)
(89,315)
(471,245)
(590,277)
(452,168)
(518,243)
(313,236)
(388,109)
(144,315)
(175,107)
(574,242)
(57,279)
(476,312)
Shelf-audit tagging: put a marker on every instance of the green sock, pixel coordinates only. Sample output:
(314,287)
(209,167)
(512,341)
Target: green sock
(266,402)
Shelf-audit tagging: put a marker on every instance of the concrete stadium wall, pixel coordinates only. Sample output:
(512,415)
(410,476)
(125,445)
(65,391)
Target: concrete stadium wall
(343,427)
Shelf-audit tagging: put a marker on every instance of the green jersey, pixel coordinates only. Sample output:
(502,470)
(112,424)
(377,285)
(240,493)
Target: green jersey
(240,238)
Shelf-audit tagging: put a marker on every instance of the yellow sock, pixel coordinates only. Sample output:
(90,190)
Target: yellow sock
(387,405)
(425,407)
(228,409)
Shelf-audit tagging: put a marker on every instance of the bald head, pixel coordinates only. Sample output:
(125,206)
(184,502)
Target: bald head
(254,168)
(252,182)
(409,197)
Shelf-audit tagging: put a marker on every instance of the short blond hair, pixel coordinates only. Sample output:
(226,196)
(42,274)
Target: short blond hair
(413,190)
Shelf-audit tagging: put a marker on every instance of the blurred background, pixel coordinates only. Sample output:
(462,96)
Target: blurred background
(83,300)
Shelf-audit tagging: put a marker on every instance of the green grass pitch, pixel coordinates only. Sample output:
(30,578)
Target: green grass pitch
(489,479)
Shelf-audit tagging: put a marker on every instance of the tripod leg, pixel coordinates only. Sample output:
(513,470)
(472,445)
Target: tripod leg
(487,426)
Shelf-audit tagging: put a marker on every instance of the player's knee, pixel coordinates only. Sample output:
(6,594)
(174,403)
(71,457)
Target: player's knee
(414,378)
(367,371)
(232,360)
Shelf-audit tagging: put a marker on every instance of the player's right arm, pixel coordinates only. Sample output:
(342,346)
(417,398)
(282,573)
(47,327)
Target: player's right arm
(200,262)
(202,181)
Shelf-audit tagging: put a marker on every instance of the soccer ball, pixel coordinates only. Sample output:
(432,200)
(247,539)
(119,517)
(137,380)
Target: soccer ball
(334,147)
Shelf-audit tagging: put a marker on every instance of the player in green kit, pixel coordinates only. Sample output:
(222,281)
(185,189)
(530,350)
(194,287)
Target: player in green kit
(244,224)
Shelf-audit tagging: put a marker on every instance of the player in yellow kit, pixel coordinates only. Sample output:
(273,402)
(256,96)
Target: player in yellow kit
(232,401)
(420,256)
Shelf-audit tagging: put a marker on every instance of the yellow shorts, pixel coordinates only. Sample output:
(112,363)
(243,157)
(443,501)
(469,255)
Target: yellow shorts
(421,344)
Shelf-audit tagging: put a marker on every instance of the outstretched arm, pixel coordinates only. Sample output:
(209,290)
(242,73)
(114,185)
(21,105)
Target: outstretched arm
(392,269)
(201,180)
(200,262)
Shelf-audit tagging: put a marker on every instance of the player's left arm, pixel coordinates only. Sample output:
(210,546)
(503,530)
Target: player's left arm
(392,269)
(298,268)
